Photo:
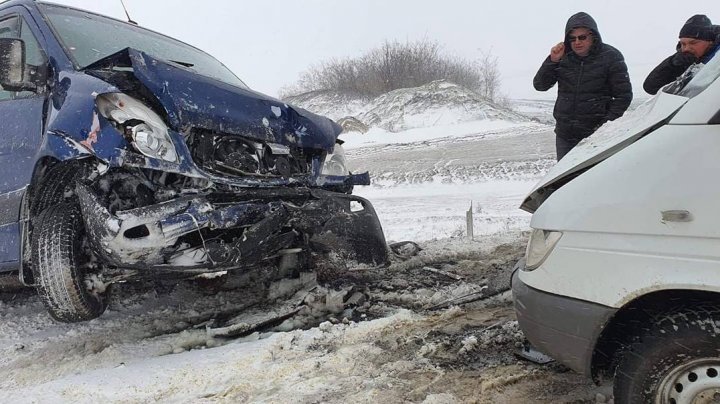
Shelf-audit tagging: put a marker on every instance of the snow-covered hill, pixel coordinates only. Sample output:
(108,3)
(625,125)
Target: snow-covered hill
(329,103)
(434,104)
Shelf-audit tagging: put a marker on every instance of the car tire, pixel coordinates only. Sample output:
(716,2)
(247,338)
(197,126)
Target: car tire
(58,183)
(57,257)
(676,360)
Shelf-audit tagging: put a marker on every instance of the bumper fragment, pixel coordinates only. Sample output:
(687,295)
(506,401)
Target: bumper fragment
(138,236)
(257,229)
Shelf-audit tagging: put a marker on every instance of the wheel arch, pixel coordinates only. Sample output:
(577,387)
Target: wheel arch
(29,212)
(627,323)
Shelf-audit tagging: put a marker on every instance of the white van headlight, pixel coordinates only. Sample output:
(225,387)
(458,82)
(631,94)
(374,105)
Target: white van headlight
(335,162)
(146,130)
(539,247)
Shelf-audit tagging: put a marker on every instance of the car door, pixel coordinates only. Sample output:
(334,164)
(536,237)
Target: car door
(21,127)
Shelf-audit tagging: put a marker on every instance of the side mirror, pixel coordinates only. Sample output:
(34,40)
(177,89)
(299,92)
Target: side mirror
(12,65)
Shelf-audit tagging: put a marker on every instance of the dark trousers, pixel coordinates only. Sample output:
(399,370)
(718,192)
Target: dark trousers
(563,146)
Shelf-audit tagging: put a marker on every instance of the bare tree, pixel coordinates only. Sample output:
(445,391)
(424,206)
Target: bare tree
(396,65)
(488,67)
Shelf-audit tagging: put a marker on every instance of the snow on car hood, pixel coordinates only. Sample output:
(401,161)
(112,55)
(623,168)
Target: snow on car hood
(193,100)
(608,140)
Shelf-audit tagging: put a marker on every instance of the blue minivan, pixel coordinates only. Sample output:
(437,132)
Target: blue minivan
(127,155)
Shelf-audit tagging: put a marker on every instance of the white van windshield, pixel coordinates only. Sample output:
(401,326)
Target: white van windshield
(695,79)
(89,37)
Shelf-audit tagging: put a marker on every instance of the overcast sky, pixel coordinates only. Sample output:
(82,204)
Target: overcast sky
(268,43)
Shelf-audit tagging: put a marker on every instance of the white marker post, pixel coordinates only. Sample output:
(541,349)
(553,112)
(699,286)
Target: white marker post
(469,222)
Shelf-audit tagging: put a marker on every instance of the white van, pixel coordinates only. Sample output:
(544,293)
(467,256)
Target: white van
(622,272)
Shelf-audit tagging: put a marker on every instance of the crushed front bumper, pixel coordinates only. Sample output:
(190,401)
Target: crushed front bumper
(149,236)
(561,327)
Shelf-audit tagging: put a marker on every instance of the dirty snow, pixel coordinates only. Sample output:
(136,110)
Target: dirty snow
(412,332)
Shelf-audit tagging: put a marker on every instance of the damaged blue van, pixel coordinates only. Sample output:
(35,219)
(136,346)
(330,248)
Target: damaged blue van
(127,155)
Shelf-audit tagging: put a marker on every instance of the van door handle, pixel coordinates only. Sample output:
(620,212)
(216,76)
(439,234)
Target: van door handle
(676,216)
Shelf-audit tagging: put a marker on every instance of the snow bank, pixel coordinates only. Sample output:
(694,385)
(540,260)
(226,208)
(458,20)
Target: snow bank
(434,104)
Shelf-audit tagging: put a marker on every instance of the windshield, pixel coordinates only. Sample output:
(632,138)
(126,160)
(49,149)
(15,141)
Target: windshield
(695,79)
(89,37)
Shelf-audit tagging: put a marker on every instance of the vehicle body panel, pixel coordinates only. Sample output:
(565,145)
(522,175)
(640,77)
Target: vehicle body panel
(613,226)
(21,130)
(609,139)
(192,100)
(562,327)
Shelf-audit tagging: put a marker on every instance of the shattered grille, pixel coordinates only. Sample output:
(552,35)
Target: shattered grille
(239,156)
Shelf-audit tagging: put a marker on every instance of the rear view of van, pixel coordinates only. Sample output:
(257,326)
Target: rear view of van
(621,277)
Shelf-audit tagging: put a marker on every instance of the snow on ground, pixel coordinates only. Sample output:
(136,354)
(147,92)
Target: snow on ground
(541,110)
(412,332)
(433,211)
(424,180)
(378,136)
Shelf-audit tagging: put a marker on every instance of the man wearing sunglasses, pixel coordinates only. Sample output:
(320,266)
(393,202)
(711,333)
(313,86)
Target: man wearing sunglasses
(593,82)
(699,42)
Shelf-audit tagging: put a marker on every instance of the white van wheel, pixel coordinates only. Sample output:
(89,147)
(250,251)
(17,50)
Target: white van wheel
(675,361)
(694,382)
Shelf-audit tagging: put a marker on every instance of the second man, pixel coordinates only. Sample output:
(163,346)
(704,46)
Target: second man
(593,82)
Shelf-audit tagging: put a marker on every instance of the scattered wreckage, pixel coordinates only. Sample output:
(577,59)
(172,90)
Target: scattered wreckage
(129,155)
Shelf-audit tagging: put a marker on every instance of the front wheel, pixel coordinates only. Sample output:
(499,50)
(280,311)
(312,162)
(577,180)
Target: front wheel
(676,361)
(60,266)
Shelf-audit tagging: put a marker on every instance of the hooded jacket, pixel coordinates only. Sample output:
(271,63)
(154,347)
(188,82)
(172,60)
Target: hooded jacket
(591,90)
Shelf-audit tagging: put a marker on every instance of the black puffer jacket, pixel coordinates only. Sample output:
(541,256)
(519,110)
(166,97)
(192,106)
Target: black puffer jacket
(591,90)
(674,65)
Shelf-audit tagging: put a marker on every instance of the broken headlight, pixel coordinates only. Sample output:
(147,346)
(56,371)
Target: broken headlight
(539,247)
(145,129)
(335,162)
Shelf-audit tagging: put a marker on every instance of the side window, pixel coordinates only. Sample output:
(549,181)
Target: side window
(33,53)
(36,62)
(9,28)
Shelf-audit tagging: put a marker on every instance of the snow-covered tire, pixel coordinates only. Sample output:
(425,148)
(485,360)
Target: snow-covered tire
(58,183)
(676,360)
(57,257)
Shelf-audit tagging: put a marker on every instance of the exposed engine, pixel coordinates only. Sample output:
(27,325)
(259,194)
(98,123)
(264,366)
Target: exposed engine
(238,156)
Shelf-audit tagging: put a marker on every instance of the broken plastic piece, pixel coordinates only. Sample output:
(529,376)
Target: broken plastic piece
(533,355)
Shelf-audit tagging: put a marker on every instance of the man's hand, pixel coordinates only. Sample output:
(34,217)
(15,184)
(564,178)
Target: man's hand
(683,59)
(557,52)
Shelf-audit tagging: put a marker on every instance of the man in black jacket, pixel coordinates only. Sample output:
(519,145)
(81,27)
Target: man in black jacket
(593,82)
(698,43)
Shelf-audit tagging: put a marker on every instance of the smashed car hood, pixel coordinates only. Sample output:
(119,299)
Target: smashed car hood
(608,140)
(193,100)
